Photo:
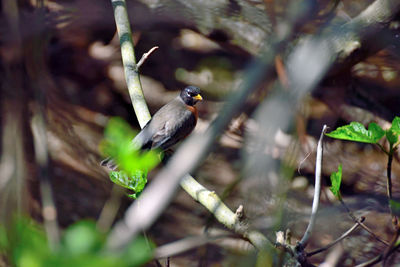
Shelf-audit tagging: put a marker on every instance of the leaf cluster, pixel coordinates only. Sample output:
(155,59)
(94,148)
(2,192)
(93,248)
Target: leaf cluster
(355,131)
(81,245)
(133,163)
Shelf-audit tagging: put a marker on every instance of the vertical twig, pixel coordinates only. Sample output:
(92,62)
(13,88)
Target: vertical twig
(317,190)
(49,211)
(129,62)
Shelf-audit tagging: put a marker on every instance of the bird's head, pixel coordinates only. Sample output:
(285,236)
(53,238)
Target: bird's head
(190,95)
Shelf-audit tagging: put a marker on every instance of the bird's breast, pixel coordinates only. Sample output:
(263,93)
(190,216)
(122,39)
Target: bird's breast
(193,110)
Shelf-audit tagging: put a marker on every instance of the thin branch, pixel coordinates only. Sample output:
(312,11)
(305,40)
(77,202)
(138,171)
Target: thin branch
(343,236)
(360,222)
(144,58)
(49,211)
(110,209)
(393,242)
(378,258)
(317,190)
(222,213)
(184,245)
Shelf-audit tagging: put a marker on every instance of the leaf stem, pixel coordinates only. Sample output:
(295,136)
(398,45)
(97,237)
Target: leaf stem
(389,186)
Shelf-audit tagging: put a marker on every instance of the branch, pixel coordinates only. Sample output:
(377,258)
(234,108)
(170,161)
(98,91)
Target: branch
(379,258)
(49,211)
(129,62)
(144,57)
(360,222)
(222,213)
(343,236)
(184,245)
(317,191)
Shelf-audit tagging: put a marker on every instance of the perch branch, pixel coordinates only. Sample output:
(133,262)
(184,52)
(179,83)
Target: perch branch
(129,62)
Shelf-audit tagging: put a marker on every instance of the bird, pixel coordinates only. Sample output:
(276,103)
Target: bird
(170,124)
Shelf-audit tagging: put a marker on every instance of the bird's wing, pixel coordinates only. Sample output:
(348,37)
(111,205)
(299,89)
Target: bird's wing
(143,139)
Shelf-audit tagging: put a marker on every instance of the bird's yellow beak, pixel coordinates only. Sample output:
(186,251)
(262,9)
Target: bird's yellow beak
(198,97)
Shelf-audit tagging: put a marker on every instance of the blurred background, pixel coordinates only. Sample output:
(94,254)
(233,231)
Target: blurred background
(61,69)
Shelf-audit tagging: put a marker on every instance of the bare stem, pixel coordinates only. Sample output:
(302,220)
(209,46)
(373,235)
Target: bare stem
(317,190)
(144,57)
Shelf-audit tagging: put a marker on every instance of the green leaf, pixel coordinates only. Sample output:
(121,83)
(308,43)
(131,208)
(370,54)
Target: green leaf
(138,252)
(3,238)
(27,243)
(394,207)
(81,245)
(393,133)
(136,182)
(392,137)
(396,125)
(82,238)
(336,180)
(133,164)
(355,131)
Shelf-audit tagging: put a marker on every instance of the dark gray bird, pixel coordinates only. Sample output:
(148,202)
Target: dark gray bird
(169,125)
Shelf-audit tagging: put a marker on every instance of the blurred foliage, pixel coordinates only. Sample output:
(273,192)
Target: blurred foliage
(394,207)
(133,163)
(81,245)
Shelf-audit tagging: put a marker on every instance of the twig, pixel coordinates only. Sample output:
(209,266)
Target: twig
(184,245)
(317,190)
(144,58)
(110,209)
(378,258)
(360,221)
(37,72)
(49,211)
(387,253)
(343,236)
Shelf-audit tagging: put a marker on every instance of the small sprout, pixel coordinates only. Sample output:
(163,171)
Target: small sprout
(336,180)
